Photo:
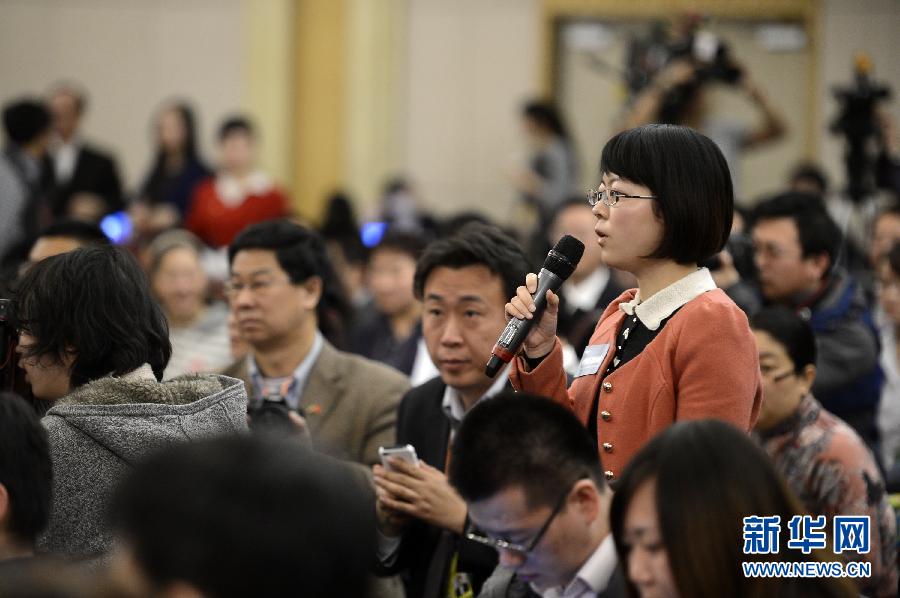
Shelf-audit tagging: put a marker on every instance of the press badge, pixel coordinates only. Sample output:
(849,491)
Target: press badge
(591,360)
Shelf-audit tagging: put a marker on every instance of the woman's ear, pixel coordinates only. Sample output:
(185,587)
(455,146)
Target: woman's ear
(808,376)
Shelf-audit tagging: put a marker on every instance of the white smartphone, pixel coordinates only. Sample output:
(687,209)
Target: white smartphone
(405,453)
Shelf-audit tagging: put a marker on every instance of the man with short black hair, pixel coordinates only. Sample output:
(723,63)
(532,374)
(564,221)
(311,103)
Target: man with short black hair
(463,282)
(26,477)
(285,299)
(531,477)
(796,251)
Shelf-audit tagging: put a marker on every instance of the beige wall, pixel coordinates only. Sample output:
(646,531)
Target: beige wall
(223,55)
(471,64)
(431,88)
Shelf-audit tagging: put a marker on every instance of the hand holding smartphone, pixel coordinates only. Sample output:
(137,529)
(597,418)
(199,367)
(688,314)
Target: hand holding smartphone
(405,453)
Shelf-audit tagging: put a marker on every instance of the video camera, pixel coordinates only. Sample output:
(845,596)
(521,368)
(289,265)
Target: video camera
(857,123)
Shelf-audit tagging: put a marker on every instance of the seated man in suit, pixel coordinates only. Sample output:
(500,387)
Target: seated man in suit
(463,282)
(532,479)
(87,180)
(280,289)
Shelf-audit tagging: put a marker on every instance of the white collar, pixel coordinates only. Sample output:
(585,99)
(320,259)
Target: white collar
(664,303)
(232,192)
(453,405)
(585,294)
(594,575)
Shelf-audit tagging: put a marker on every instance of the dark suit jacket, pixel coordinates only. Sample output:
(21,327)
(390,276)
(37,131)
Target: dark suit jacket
(422,423)
(95,172)
(578,326)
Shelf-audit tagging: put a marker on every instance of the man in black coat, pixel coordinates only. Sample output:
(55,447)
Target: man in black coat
(464,282)
(87,180)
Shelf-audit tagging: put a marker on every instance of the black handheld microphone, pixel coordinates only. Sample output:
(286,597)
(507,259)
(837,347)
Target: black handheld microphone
(558,266)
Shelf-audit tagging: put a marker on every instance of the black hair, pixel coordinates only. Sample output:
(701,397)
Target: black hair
(301,253)
(813,172)
(86,233)
(340,217)
(817,232)
(475,245)
(701,522)
(402,241)
(291,522)
(547,116)
(517,439)
(790,331)
(688,174)
(96,303)
(236,124)
(25,468)
(25,120)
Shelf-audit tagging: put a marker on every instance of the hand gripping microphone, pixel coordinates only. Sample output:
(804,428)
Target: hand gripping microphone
(558,266)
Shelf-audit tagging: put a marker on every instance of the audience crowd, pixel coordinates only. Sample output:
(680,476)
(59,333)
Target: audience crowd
(198,406)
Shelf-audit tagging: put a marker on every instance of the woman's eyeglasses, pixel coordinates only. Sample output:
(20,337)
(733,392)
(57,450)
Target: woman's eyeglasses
(610,197)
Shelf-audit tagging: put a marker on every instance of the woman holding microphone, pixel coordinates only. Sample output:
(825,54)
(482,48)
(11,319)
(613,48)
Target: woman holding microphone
(676,347)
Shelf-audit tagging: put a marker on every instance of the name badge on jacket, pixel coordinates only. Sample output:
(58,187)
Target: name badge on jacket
(591,360)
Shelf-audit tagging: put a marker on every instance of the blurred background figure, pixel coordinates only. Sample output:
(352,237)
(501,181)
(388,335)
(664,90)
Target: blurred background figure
(198,326)
(240,194)
(239,517)
(63,236)
(551,172)
(824,462)
(677,94)
(391,331)
(87,180)
(24,191)
(888,324)
(346,251)
(400,206)
(662,525)
(177,169)
(591,287)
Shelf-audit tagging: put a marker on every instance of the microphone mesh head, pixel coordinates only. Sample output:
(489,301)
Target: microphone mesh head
(564,256)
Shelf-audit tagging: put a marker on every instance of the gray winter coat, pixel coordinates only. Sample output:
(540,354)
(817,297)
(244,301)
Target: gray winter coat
(100,430)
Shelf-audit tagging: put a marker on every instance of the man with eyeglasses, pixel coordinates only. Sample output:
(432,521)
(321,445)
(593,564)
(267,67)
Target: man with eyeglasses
(532,479)
(797,249)
(282,292)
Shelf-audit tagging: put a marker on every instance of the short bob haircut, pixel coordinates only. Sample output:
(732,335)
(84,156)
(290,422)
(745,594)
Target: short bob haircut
(96,303)
(790,331)
(475,244)
(517,439)
(688,174)
(701,521)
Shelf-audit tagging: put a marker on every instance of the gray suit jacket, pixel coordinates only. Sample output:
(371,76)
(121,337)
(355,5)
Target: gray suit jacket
(350,403)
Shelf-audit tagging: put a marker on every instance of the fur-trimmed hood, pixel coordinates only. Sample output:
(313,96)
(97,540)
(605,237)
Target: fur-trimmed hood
(133,413)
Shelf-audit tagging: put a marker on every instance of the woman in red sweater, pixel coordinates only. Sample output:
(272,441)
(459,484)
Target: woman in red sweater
(676,347)
(239,194)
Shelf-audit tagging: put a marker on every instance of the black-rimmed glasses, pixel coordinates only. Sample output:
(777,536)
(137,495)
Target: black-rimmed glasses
(500,544)
(610,197)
